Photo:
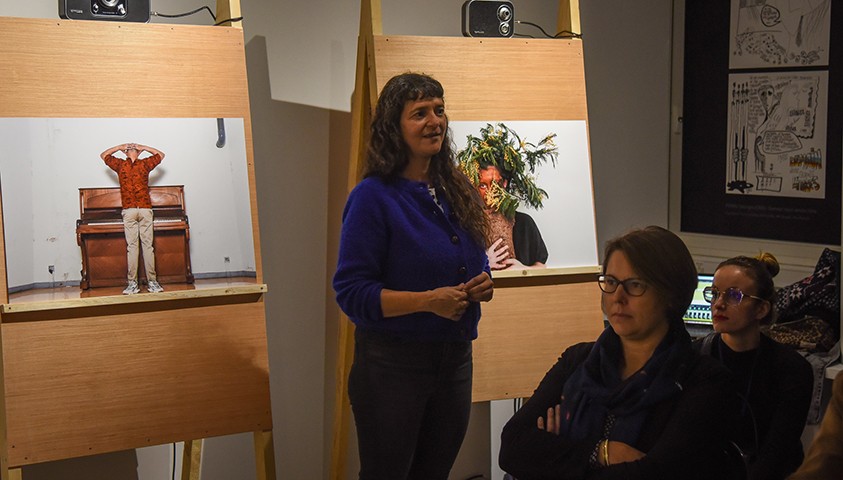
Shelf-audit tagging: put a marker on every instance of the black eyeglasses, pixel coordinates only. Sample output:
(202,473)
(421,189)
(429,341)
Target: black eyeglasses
(634,287)
(731,296)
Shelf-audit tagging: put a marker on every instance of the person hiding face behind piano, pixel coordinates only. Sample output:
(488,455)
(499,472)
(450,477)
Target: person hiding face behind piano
(133,175)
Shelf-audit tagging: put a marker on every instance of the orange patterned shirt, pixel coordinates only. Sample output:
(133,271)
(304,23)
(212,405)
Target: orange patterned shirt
(134,179)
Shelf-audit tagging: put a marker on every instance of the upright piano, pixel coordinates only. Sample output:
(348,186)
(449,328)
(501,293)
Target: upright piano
(99,233)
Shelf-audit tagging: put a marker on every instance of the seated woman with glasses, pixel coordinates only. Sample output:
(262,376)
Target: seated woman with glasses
(773,381)
(638,403)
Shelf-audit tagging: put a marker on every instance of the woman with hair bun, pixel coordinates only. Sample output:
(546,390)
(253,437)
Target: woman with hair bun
(773,381)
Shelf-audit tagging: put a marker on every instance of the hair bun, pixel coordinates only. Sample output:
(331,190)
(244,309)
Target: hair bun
(770,262)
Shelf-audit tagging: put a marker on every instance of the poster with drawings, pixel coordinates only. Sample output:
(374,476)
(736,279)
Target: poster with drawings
(779,33)
(777,134)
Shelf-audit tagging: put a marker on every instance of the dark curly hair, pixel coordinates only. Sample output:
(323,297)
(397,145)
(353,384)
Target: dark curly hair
(388,154)
(761,270)
(662,260)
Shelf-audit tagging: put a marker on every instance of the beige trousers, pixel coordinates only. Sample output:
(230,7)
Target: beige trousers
(137,225)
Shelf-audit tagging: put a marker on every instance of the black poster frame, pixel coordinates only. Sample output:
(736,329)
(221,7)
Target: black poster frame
(706,207)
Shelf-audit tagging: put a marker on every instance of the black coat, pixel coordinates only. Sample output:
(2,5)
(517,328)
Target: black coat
(682,438)
(777,383)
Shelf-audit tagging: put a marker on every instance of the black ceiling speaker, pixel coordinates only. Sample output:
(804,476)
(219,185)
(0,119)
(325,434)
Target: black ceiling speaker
(487,18)
(109,10)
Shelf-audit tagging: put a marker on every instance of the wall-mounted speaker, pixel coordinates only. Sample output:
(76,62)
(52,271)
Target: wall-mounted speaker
(487,18)
(109,10)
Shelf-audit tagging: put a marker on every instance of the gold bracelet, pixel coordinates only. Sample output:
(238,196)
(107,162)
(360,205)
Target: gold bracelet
(606,452)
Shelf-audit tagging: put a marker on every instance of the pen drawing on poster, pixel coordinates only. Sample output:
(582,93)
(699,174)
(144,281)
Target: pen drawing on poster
(777,134)
(779,33)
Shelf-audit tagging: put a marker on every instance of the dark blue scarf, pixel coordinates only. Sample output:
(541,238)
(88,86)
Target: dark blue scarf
(595,389)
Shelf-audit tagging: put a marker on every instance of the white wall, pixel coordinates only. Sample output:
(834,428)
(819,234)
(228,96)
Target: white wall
(20,192)
(627,70)
(312,45)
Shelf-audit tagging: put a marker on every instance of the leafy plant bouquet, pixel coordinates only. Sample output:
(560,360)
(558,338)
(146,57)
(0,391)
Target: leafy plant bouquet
(516,160)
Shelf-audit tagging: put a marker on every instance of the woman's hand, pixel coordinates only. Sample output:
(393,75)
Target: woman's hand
(449,302)
(480,288)
(554,420)
(498,257)
(619,452)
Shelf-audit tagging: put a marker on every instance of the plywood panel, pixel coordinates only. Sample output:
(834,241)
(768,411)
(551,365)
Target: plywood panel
(111,69)
(494,78)
(135,375)
(524,330)
(70,69)
(91,378)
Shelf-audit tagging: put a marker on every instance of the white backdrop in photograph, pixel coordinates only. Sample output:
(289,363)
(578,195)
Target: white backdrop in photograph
(566,219)
(45,161)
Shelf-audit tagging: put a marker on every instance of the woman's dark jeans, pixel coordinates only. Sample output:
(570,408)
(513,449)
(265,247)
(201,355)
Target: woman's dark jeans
(411,403)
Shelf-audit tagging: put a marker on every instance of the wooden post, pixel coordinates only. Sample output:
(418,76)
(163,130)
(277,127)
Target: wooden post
(264,455)
(5,472)
(362,104)
(227,9)
(191,460)
(569,16)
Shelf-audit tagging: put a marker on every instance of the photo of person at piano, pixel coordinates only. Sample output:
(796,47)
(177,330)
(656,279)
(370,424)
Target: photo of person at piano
(133,175)
(502,168)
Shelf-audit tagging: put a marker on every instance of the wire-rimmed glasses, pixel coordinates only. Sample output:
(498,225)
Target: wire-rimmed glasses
(731,296)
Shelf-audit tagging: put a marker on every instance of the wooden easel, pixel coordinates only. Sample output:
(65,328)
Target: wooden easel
(264,449)
(509,360)
(168,348)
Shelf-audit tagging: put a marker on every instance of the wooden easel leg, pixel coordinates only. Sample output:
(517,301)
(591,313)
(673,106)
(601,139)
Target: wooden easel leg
(229,9)
(569,16)
(264,455)
(191,460)
(15,474)
(362,107)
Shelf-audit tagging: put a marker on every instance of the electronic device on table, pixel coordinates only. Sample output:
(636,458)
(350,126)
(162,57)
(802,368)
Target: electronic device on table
(698,316)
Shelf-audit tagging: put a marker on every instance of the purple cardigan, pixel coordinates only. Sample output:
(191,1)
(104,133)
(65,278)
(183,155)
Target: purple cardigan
(395,236)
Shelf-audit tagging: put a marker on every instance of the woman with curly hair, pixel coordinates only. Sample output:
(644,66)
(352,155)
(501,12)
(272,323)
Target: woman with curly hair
(412,270)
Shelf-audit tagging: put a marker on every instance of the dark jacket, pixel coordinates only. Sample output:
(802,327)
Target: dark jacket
(777,383)
(683,436)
